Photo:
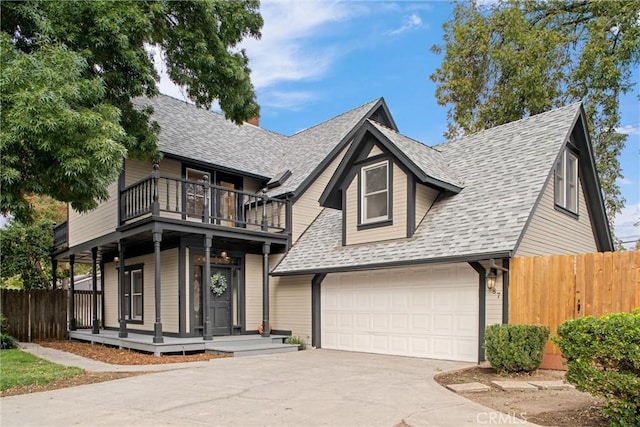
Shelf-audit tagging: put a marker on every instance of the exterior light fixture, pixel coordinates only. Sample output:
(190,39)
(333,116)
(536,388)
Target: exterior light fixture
(491,280)
(492,275)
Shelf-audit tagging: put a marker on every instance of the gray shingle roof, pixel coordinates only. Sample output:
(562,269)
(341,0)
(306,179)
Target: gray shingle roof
(429,160)
(195,133)
(307,149)
(504,169)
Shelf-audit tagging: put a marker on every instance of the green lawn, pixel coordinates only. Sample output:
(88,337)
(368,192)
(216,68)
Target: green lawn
(18,368)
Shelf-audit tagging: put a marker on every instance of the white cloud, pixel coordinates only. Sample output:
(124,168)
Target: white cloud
(629,129)
(287,52)
(286,100)
(627,224)
(412,22)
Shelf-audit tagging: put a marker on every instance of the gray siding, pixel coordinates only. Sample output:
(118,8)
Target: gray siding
(552,232)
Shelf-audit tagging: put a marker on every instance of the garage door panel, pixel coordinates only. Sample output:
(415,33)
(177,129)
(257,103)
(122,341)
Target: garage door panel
(425,312)
(363,322)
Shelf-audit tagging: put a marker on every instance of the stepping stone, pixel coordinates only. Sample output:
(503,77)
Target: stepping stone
(514,386)
(552,385)
(468,387)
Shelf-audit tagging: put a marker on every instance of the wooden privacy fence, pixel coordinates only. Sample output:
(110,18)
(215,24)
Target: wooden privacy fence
(35,315)
(552,289)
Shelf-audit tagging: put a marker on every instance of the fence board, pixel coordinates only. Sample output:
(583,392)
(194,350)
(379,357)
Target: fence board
(36,314)
(552,289)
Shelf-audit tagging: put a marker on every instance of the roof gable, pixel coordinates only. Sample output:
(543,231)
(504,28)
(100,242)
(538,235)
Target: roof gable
(425,163)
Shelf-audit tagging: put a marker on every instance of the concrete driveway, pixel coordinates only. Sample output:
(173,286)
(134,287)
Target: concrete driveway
(308,388)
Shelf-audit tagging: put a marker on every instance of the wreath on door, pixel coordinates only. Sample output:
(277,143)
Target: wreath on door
(218,283)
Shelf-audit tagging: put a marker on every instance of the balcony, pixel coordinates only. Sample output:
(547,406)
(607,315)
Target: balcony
(61,236)
(199,201)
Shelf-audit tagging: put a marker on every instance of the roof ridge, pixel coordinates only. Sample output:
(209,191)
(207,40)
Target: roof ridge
(339,115)
(221,115)
(554,110)
(405,136)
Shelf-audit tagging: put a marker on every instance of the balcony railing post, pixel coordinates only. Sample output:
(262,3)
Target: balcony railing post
(155,206)
(207,190)
(265,223)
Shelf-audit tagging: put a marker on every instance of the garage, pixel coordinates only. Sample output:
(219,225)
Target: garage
(429,312)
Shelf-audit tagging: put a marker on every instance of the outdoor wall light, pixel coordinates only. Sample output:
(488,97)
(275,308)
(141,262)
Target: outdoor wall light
(491,280)
(492,275)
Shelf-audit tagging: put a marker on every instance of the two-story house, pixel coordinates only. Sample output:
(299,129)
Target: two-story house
(347,234)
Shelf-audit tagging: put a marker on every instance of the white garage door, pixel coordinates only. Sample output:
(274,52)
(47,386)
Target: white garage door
(421,312)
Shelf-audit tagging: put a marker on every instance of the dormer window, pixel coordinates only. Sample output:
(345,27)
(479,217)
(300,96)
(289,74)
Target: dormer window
(374,193)
(566,185)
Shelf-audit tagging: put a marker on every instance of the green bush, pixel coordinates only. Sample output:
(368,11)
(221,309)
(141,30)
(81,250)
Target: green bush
(296,340)
(603,359)
(515,348)
(7,341)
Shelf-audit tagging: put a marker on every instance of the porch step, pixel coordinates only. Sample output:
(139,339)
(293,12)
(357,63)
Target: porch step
(244,348)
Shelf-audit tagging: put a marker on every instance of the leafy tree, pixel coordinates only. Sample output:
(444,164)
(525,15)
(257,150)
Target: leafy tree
(70,71)
(504,61)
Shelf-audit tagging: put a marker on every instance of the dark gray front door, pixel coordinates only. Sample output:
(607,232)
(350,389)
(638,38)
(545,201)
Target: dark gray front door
(220,307)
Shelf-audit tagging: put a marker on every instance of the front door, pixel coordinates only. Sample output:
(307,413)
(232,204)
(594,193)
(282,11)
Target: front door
(220,306)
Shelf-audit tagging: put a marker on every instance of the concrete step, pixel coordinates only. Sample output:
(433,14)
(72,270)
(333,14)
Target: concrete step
(240,349)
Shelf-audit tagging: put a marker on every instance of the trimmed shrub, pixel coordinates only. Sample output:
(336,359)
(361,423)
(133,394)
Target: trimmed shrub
(515,348)
(6,340)
(296,340)
(603,359)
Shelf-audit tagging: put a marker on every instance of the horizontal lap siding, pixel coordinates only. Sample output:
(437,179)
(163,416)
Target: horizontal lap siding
(552,232)
(307,208)
(98,222)
(253,291)
(395,231)
(169,292)
(425,196)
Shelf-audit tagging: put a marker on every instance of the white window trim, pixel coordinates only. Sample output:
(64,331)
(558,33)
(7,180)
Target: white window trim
(363,194)
(130,294)
(567,187)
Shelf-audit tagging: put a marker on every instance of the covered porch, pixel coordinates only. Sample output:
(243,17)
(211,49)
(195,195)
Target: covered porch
(234,345)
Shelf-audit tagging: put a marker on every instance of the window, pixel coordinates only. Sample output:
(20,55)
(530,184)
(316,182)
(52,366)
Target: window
(374,193)
(566,189)
(133,293)
(195,192)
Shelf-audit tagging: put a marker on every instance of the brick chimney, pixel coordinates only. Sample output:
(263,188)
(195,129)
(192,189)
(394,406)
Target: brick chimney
(254,121)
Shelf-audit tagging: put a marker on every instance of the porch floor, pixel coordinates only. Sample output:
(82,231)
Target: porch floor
(235,345)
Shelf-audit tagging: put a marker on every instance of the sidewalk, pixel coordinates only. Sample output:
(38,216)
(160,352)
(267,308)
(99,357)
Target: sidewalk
(90,365)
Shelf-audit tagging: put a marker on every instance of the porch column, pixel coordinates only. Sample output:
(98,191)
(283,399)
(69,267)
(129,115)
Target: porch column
(54,273)
(482,309)
(316,332)
(505,291)
(72,296)
(122,333)
(94,291)
(157,326)
(266,248)
(206,291)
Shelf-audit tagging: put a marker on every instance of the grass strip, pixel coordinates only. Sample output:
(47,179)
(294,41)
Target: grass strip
(18,368)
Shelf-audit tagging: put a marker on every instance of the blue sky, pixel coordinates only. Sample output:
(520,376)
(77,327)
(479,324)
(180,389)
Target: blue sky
(317,59)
